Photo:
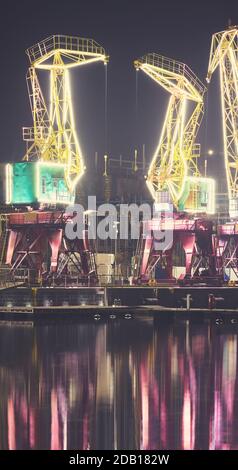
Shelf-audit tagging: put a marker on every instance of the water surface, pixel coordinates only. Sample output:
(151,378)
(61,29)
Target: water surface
(118,384)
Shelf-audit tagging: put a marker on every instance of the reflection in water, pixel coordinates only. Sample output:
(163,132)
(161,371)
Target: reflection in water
(125,384)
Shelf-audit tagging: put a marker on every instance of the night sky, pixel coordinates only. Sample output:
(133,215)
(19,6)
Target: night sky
(128,29)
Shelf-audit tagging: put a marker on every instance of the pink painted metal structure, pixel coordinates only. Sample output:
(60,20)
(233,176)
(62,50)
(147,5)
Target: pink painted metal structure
(226,247)
(196,237)
(210,250)
(37,241)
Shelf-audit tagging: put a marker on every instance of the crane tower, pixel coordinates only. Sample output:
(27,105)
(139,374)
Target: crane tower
(173,169)
(174,176)
(36,239)
(54,157)
(53,134)
(224,54)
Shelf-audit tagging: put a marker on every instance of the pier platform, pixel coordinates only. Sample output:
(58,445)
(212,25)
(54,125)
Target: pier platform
(123,300)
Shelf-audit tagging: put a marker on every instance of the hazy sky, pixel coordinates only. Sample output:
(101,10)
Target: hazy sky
(127,29)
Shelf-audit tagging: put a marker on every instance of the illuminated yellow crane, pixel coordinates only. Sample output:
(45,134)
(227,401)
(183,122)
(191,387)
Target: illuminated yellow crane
(224,53)
(174,167)
(53,136)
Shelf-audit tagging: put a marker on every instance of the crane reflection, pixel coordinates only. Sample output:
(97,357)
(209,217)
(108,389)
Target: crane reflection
(121,384)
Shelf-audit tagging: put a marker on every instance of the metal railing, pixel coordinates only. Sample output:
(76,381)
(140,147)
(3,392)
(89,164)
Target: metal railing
(12,278)
(66,43)
(173,66)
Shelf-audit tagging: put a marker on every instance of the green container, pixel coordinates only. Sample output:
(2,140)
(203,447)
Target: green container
(198,195)
(37,182)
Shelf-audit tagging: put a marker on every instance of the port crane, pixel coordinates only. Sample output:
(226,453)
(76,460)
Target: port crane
(51,167)
(53,137)
(174,175)
(174,168)
(224,56)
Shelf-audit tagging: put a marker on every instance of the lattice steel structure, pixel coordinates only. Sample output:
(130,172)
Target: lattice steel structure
(224,54)
(175,158)
(53,137)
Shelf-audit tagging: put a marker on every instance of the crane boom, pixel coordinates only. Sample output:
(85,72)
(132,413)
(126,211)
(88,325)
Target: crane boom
(224,54)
